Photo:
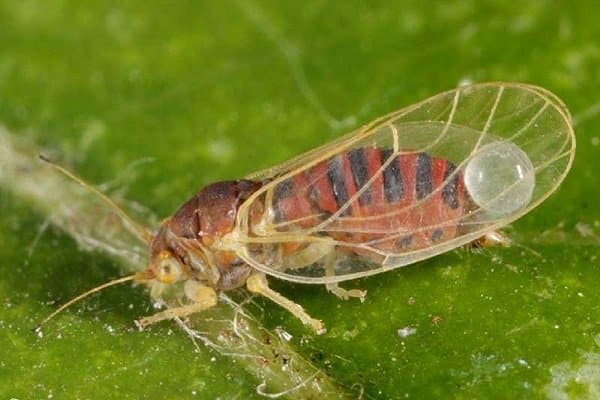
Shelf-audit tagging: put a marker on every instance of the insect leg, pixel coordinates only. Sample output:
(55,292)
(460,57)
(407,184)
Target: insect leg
(315,252)
(202,297)
(490,239)
(334,288)
(257,283)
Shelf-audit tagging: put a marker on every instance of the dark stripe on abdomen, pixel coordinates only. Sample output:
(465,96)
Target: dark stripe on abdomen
(282,191)
(436,235)
(423,176)
(393,186)
(335,174)
(360,173)
(450,189)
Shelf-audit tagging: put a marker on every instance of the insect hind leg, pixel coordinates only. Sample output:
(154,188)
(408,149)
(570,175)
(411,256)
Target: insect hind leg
(334,288)
(490,239)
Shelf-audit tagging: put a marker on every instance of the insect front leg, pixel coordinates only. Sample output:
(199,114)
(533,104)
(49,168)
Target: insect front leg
(334,288)
(257,283)
(202,297)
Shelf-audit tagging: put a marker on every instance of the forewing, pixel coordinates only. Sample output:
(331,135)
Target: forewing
(453,126)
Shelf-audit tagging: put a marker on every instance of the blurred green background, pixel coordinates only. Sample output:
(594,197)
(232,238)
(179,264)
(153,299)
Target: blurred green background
(215,90)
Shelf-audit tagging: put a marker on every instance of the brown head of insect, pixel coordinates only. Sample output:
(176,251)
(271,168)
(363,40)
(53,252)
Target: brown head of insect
(188,250)
(185,255)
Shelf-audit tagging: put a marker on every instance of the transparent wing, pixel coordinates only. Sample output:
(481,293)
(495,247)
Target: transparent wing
(408,186)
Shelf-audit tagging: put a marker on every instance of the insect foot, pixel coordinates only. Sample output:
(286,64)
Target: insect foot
(345,294)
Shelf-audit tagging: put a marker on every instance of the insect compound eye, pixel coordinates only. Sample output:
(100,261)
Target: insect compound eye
(168,271)
(500,178)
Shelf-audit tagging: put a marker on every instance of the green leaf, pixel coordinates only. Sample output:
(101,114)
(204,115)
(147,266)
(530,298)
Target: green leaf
(155,99)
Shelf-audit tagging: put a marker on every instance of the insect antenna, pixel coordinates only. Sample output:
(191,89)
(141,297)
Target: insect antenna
(141,232)
(38,327)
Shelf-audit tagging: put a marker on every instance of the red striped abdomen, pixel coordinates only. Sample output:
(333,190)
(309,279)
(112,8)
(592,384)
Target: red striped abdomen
(407,201)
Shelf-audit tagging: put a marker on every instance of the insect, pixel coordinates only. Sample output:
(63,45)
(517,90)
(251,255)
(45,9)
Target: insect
(418,182)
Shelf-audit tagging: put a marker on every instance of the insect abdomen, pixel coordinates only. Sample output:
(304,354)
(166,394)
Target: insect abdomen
(369,193)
